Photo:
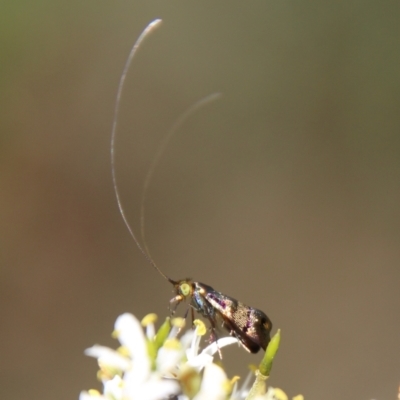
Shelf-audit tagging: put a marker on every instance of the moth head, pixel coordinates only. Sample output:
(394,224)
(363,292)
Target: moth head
(183,290)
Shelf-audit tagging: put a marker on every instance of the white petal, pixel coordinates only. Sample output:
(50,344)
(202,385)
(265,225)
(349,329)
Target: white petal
(206,356)
(219,344)
(272,394)
(109,357)
(200,361)
(168,359)
(150,331)
(277,394)
(130,335)
(243,391)
(113,388)
(85,396)
(88,396)
(214,384)
(154,389)
(193,350)
(186,339)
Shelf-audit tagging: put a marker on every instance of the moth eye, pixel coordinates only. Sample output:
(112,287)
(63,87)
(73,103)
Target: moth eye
(267,324)
(185,289)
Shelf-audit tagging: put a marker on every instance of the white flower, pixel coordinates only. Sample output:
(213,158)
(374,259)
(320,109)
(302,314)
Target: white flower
(131,372)
(137,380)
(152,365)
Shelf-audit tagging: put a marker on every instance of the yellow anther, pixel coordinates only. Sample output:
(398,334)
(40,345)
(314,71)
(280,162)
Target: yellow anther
(201,329)
(172,344)
(115,334)
(298,397)
(149,319)
(253,368)
(190,381)
(124,351)
(235,379)
(94,393)
(99,375)
(178,322)
(227,386)
(106,372)
(279,394)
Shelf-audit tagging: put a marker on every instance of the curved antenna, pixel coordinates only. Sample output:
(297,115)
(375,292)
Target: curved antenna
(161,150)
(149,28)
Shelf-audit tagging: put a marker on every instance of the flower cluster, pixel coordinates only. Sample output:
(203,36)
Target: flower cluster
(152,365)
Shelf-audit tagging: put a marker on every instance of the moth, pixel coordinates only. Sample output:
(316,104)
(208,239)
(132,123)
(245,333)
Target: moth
(249,325)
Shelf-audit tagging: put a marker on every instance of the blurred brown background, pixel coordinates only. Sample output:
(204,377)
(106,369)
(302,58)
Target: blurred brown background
(284,194)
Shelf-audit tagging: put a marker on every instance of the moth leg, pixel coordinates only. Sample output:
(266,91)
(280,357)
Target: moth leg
(214,336)
(177,300)
(186,313)
(192,313)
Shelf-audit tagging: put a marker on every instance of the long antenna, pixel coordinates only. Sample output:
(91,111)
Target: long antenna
(149,28)
(160,151)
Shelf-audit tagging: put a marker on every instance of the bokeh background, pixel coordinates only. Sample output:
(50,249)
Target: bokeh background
(284,193)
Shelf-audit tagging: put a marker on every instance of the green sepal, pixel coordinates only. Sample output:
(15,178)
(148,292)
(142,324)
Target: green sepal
(272,348)
(162,334)
(152,352)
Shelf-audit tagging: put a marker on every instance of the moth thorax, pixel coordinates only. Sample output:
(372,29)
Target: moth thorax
(185,289)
